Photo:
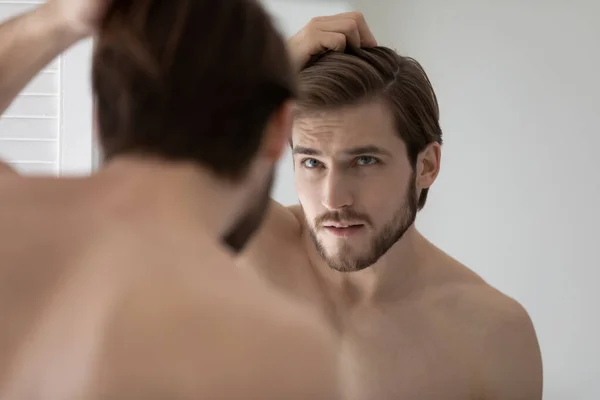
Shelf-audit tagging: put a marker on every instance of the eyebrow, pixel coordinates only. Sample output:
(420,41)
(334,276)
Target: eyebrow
(355,151)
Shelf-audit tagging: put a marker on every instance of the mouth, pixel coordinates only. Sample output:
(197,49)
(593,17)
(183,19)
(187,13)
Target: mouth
(343,229)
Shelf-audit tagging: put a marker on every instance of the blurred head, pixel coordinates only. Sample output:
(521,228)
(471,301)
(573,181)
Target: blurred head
(366,144)
(197,81)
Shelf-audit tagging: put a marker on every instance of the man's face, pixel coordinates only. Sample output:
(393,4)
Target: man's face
(355,183)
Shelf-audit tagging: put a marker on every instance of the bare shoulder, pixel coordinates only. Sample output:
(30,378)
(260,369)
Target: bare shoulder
(215,331)
(499,336)
(493,314)
(282,222)
(296,211)
(511,368)
(278,236)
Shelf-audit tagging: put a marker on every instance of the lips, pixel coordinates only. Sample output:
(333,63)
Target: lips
(343,230)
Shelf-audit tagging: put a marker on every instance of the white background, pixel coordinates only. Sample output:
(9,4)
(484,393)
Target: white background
(518,196)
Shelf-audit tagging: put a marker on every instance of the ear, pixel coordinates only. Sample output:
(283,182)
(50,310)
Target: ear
(428,165)
(278,132)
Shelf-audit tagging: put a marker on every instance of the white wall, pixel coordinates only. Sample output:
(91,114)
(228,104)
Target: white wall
(518,198)
(76,140)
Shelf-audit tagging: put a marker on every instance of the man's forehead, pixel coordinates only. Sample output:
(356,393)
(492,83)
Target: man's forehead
(376,109)
(348,151)
(358,126)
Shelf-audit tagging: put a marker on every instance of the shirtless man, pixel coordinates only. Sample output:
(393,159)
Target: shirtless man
(413,323)
(119,286)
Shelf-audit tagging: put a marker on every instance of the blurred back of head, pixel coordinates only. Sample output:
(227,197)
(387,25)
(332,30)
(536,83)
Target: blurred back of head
(335,80)
(189,80)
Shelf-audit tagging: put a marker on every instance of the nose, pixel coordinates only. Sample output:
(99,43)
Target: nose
(337,192)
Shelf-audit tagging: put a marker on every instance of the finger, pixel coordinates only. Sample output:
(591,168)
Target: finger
(335,41)
(367,39)
(347,26)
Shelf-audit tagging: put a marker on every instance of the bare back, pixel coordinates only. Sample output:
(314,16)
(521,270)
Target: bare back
(140,309)
(444,333)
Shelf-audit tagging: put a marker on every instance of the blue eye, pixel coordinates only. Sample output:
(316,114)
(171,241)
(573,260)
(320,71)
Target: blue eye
(366,160)
(311,163)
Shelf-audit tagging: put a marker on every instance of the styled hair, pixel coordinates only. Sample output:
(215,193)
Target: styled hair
(189,80)
(335,79)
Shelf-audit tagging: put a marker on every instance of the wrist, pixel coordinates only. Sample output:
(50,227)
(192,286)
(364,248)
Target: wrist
(51,22)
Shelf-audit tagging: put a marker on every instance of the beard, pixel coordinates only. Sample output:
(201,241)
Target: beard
(248,223)
(346,260)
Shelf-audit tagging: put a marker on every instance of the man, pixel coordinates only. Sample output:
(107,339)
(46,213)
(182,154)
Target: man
(413,323)
(122,285)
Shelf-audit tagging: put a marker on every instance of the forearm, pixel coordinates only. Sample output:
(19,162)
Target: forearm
(27,44)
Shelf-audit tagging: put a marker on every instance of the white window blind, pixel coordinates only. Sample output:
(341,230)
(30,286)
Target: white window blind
(48,128)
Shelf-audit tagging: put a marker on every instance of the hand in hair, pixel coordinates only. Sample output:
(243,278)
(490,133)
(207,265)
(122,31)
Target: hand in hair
(330,33)
(82,16)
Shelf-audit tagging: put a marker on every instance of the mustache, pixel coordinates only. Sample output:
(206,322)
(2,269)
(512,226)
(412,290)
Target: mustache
(346,215)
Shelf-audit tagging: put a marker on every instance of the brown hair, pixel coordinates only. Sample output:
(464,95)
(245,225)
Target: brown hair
(189,80)
(336,79)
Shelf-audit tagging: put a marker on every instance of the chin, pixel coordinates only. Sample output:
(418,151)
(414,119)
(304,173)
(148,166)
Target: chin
(345,253)
(345,246)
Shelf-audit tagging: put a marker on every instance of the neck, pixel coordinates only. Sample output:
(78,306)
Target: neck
(395,274)
(176,193)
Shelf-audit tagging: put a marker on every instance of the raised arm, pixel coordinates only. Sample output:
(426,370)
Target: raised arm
(30,41)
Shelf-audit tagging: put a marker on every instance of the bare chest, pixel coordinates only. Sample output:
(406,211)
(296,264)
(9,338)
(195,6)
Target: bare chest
(402,355)
(389,352)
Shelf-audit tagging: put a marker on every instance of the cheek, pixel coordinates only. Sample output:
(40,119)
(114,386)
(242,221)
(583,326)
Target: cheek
(308,195)
(382,196)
